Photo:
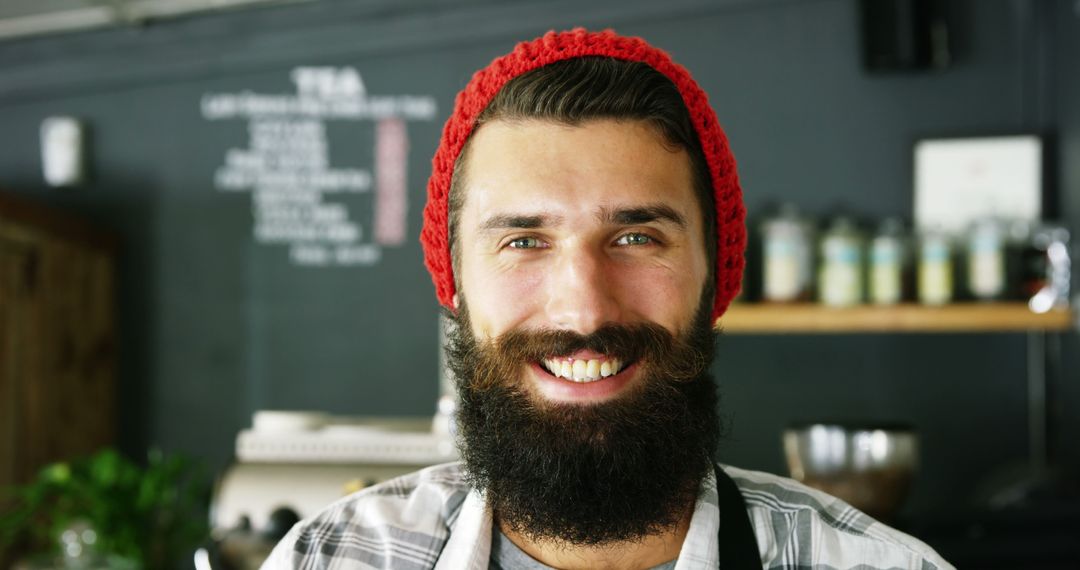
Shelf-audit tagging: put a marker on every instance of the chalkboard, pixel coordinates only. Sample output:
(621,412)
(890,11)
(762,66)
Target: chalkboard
(338,310)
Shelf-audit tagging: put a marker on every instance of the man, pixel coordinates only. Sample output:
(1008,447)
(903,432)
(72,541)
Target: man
(585,229)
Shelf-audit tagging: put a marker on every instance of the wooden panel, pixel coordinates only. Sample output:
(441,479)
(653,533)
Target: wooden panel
(14,265)
(57,353)
(70,378)
(966,317)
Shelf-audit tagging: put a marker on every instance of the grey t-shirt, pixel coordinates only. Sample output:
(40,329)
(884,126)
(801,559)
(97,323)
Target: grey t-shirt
(505,555)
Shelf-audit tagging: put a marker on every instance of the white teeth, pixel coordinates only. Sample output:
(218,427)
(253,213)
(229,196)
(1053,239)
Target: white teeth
(583,370)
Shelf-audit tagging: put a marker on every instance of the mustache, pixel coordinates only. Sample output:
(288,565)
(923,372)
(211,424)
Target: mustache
(649,344)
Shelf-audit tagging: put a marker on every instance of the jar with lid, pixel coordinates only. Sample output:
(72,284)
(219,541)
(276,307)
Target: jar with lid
(986,277)
(935,267)
(786,241)
(888,263)
(1047,268)
(840,277)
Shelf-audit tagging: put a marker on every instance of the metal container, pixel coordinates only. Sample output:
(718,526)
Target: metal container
(868,466)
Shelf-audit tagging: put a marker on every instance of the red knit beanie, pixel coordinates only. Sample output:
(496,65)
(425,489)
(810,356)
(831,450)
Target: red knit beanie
(557,46)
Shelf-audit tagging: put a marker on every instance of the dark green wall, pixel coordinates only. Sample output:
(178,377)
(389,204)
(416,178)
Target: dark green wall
(1063,71)
(215,326)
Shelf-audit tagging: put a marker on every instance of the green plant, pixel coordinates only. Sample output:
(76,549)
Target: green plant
(149,515)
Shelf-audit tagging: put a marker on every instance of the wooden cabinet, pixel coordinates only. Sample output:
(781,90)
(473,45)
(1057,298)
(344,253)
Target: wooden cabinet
(57,338)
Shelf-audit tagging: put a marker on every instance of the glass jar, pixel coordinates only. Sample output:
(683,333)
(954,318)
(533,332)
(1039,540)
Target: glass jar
(1048,268)
(935,268)
(840,282)
(888,260)
(787,265)
(986,260)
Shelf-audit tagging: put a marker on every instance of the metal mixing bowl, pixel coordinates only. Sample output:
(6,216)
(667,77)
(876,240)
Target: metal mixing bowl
(869,466)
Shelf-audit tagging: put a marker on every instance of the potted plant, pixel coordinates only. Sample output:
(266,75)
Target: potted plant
(109,509)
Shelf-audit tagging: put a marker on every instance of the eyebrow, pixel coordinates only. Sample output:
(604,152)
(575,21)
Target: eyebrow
(642,215)
(615,216)
(527,222)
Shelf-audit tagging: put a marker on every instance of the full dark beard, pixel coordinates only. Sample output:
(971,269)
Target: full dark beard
(590,474)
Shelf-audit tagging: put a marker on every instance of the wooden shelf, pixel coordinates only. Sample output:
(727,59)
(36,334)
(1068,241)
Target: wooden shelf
(778,318)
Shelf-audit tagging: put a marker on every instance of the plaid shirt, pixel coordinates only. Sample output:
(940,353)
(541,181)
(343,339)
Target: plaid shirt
(433,519)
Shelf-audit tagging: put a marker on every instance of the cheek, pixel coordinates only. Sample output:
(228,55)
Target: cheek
(503,300)
(662,295)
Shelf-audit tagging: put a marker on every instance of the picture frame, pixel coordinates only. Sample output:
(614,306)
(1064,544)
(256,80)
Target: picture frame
(959,180)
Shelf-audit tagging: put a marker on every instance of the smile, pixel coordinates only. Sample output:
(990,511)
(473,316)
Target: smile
(580,370)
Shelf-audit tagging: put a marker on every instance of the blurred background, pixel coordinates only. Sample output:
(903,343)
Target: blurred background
(232,195)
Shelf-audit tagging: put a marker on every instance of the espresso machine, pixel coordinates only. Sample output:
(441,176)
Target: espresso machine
(292,464)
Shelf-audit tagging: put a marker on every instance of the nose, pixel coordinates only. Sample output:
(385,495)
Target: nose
(581,292)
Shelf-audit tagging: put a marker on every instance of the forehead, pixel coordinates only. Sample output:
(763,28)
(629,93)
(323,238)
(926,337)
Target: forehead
(545,164)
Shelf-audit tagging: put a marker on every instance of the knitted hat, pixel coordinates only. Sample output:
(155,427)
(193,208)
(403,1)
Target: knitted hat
(557,46)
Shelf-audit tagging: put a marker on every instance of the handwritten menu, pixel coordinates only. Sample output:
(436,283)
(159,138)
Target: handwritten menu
(299,199)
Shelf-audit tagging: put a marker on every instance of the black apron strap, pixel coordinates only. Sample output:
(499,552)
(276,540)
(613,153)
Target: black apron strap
(738,547)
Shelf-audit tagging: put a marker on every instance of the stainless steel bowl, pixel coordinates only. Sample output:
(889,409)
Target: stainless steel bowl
(868,466)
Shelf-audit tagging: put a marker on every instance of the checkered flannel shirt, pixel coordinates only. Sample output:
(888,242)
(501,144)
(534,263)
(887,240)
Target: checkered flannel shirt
(434,519)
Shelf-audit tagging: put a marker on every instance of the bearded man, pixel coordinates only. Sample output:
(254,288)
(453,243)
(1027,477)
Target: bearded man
(585,229)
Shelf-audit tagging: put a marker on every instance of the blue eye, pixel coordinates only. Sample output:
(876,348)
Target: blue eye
(524,243)
(634,239)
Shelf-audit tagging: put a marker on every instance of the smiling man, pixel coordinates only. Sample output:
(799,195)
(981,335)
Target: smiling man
(584,229)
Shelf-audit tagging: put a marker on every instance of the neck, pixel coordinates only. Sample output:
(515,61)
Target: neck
(639,553)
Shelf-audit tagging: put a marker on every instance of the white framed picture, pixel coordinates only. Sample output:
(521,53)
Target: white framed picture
(961,180)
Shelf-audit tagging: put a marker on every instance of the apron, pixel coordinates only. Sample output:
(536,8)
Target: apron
(738,547)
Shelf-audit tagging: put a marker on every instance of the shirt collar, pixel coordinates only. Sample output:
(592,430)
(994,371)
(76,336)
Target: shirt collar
(700,549)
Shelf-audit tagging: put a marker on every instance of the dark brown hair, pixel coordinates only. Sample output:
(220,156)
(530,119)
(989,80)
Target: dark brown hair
(577,90)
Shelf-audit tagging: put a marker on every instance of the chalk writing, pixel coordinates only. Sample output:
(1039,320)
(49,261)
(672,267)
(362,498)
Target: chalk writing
(286,165)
